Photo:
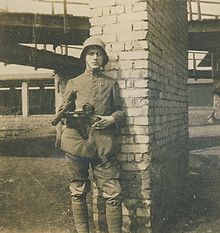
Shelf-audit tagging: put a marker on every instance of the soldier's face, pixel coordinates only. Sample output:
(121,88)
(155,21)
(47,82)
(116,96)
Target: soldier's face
(94,58)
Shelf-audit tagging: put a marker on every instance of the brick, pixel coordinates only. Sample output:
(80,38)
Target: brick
(141,83)
(108,38)
(130,157)
(128,166)
(119,27)
(96,12)
(141,120)
(128,8)
(103,3)
(118,46)
(142,139)
(130,83)
(133,16)
(128,45)
(128,139)
(132,36)
(128,55)
(140,64)
(140,25)
(142,166)
(97,30)
(129,73)
(103,20)
(134,148)
(106,11)
(117,9)
(138,111)
(134,93)
(140,6)
(126,65)
(138,157)
(141,45)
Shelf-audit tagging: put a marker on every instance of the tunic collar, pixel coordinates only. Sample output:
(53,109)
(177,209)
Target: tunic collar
(93,73)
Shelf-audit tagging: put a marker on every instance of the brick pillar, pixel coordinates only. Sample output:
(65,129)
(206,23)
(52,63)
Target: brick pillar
(147,45)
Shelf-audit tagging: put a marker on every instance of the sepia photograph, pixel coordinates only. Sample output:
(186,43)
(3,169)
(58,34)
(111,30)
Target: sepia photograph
(109,116)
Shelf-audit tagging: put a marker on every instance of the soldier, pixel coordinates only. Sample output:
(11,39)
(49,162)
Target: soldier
(99,146)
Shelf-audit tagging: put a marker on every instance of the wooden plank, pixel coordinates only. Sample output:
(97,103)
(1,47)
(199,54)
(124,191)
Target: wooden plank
(24,55)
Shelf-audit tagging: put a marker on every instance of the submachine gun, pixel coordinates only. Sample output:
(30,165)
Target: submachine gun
(81,120)
(70,104)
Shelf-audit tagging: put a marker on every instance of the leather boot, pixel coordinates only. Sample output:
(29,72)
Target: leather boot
(114,218)
(80,215)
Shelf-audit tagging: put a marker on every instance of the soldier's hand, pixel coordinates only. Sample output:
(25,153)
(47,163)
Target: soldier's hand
(104,122)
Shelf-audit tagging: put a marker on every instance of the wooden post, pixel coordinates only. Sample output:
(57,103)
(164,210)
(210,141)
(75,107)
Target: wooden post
(25,99)
(194,64)
(58,97)
(199,10)
(42,100)
(213,64)
(190,9)
(65,23)
(52,8)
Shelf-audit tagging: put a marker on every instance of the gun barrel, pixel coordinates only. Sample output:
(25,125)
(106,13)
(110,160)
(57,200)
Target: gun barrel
(57,119)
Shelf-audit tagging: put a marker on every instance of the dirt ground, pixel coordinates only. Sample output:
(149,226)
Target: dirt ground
(201,212)
(34,194)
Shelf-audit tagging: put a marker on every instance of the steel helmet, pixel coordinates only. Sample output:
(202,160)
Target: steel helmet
(94,41)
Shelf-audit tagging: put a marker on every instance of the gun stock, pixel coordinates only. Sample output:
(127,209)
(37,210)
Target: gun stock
(70,102)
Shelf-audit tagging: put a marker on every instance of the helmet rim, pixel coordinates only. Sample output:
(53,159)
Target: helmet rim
(94,42)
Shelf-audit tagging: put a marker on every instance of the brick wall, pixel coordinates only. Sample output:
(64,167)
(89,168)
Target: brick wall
(168,109)
(147,45)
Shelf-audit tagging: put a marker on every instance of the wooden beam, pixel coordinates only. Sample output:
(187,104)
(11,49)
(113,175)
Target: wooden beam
(48,29)
(33,83)
(29,76)
(204,74)
(24,55)
(205,25)
(204,41)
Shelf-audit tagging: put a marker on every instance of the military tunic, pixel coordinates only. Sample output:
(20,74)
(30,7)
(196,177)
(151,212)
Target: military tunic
(102,92)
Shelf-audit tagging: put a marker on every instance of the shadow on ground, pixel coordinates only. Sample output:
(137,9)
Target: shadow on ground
(201,211)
